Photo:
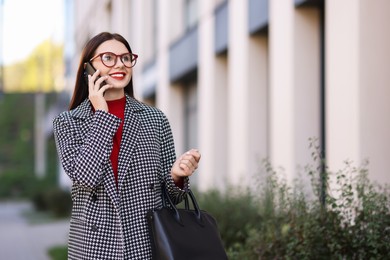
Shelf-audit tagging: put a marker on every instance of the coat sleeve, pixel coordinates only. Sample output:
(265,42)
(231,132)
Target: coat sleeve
(168,158)
(83,155)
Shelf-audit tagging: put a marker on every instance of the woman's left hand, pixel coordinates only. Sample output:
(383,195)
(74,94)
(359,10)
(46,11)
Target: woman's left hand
(185,165)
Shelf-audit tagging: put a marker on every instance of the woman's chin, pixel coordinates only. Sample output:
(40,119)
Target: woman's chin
(118,86)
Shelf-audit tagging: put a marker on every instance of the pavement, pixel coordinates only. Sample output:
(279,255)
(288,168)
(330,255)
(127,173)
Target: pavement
(21,240)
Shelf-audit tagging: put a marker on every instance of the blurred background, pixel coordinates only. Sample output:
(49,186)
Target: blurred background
(241,80)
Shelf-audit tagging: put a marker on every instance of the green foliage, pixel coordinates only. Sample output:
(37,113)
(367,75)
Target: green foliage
(16,149)
(17,177)
(58,253)
(47,197)
(229,210)
(15,184)
(280,221)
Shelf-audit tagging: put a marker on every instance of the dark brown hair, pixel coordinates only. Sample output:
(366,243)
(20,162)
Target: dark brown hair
(81,87)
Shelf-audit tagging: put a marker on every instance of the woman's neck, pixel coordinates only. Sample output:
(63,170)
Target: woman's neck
(114,94)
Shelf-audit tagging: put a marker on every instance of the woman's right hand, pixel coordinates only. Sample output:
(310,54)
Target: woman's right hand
(96,93)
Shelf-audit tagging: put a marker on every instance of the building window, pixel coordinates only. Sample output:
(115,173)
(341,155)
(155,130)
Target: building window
(191,115)
(191,13)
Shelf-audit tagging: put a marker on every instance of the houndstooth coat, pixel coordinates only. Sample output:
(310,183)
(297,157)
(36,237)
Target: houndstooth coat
(109,222)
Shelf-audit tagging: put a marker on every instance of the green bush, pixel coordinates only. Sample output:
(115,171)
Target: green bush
(59,202)
(342,216)
(58,253)
(16,145)
(53,199)
(15,185)
(17,154)
(236,214)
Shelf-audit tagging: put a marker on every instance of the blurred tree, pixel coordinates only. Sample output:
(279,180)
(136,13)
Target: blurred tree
(16,144)
(42,71)
(17,177)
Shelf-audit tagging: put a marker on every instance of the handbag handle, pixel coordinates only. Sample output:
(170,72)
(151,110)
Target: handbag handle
(176,211)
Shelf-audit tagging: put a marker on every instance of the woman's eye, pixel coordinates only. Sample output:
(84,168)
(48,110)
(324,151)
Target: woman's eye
(107,57)
(126,58)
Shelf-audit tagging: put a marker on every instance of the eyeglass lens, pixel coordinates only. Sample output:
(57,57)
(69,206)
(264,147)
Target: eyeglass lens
(109,59)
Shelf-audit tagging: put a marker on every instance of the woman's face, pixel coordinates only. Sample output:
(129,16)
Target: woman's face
(118,75)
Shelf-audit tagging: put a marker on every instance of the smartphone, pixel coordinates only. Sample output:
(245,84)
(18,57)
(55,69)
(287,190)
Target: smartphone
(90,70)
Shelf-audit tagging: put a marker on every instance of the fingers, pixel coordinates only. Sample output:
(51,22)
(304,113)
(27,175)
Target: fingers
(193,155)
(188,164)
(189,160)
(90,84)
(95,84)
(101,81)
(91,81)
(96,93)
(104,88)
(94,81)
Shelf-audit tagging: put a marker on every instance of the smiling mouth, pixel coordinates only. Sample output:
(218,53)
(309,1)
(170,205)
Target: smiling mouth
(117,75)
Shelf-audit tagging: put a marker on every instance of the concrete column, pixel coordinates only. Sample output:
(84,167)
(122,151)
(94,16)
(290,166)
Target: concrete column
(282,84)
(294,84)
(307,83)
(342,82)
(136,43)
(258,107)
(238,94)
(163,84)
(206,95)
(212,104)
(121,20)
(374,78)
(40,138)
(358,79)
(169,97)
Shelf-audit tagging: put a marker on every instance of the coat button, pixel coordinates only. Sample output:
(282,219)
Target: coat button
(94,197)
(151,186)
(94,228)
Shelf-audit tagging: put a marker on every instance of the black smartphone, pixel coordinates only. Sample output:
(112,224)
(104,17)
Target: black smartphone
(90,70)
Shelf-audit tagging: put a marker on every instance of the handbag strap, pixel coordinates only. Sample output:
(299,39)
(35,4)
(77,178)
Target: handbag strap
(167,201)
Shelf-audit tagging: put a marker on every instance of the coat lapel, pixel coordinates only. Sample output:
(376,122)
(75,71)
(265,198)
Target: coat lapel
(129,137)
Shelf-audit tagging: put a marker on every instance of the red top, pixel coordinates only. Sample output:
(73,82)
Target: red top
(117,108)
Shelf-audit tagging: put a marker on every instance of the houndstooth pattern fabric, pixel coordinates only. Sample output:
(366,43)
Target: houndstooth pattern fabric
(106,222)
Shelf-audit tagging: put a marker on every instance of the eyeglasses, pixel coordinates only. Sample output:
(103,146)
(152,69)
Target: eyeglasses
(109,59)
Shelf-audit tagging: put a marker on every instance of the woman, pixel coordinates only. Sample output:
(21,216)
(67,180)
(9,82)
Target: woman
(117,152)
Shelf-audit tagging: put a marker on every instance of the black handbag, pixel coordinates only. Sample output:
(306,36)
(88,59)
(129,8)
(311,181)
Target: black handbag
(184,234)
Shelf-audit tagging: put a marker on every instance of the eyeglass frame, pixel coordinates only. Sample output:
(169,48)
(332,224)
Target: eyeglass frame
(133,55)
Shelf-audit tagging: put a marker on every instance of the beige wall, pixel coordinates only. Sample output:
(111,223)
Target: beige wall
(358,80)
(238,94)
(281,83)
(342,78)
(375,92)
(258,82)
(212,111)
(294,84)
(307,83)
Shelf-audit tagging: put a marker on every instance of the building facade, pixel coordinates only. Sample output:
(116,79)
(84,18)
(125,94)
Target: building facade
(245,80)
